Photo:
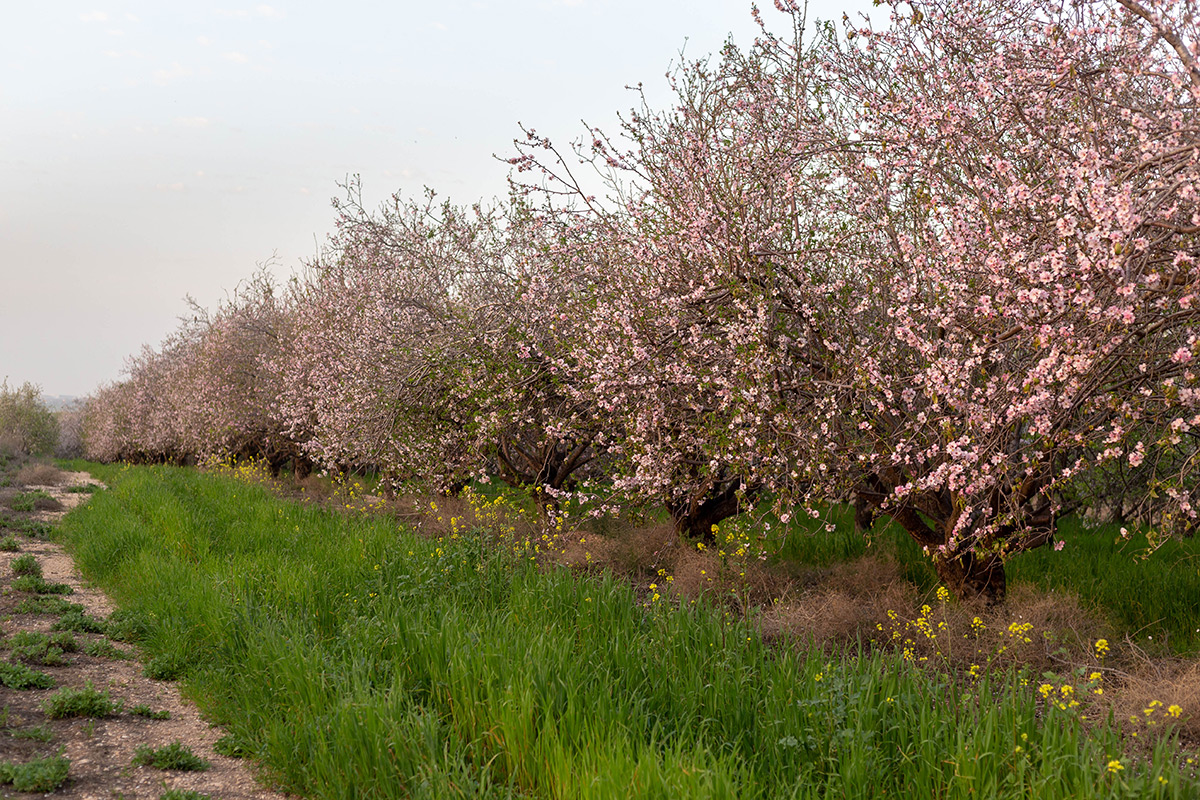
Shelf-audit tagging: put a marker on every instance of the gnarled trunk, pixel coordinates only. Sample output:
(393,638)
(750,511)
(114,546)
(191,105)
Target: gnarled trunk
(967,554)
(542,470)
(973,577)
(696,514)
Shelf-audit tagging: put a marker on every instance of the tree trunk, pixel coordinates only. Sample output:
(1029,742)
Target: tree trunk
(972,577)
(301,467)
(695,516)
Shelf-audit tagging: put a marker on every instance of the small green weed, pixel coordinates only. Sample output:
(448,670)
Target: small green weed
(126,626)
(229,745)
(34,639)
(26,565)
(76,620)
(39,775)
(43,604)
(87,488)
(149,713)
(9,544)
(29,527)
(85,702)
(37,585)
(176,755)
(184,794)
(166,667)
(102,648)
(19,676)
(39,734)
(29,501)
(39,648)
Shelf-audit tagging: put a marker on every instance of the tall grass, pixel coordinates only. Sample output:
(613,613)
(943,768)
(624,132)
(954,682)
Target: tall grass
(1147,594)
(356,660)
(1153,595)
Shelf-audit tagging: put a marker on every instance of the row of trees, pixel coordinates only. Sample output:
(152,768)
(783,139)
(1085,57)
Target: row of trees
(945,266)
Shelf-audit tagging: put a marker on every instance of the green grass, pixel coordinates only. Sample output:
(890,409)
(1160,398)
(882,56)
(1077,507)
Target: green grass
(27,501)
(125,625)
(183,794)
(9,544)
(230,745)
(39,733)
(102,648)
(175,756)
(1154,597)
(75,619)
(356,659)
(27,527)
(39,775)
(85,702)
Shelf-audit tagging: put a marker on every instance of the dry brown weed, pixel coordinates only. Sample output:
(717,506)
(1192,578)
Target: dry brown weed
(40,474)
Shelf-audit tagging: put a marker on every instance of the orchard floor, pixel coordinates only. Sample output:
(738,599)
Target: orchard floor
(100,751)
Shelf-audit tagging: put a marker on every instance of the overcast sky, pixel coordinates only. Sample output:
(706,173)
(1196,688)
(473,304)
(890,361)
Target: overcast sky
(152,150)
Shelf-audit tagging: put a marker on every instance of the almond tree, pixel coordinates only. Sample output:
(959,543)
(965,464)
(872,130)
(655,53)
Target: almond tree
(946,265)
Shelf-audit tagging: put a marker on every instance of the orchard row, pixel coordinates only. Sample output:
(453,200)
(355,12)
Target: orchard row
(945,265)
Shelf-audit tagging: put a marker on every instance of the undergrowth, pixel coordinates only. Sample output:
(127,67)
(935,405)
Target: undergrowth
(353,658)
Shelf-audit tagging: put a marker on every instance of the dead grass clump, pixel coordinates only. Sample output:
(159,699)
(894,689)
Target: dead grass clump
(443,516)
(646,548)
(1160,697)
(585,550)
(848,602)
(314,487)
(40,474)
(1037,629)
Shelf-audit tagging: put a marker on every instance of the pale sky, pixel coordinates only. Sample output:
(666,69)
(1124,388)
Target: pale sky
(152,150)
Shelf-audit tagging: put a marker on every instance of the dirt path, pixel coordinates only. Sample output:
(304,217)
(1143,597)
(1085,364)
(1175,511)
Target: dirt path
(100,750)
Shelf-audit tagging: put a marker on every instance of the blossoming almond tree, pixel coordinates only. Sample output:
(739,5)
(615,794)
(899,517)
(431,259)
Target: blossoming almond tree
(1023,182)
(422,350)
(947,266)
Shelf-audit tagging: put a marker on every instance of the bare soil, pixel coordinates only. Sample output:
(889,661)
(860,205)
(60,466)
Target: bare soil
(100,751)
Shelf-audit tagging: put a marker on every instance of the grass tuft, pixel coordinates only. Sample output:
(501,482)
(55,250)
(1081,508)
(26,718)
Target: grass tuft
(85,702)
(176,755)
(102,648)
(76,620)
(19,676)
(166,667)
(43,604)
(125,625)
(39,733)
(36,584)
(183,794)
(39,648)
(149,713)
(231,746)
(39,775)
(27,565)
